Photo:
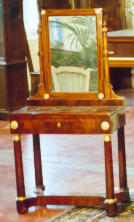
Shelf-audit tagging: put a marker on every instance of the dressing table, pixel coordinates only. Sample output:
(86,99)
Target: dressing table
(74,38)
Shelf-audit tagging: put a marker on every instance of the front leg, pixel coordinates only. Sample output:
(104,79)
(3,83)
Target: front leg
(38,165)
(122,163)
(21,206)
(111,202)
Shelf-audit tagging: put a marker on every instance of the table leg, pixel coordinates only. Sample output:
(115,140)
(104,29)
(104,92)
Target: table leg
(21,208)
(38,165)
(122,162)
(111,202)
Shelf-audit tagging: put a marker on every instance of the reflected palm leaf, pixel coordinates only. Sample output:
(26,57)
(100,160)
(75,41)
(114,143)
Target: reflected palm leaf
(82,30)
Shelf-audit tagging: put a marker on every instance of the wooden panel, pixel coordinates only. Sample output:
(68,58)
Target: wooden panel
(66,119)
(52,4)
(121,43)
(13,73)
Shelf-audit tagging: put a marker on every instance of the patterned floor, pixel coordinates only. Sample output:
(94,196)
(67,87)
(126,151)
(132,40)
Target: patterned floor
(86,214)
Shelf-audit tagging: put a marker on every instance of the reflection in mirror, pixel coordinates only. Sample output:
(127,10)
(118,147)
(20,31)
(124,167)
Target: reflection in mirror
(73,45)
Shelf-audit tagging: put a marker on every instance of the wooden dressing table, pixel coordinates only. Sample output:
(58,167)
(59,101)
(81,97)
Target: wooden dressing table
(99,111)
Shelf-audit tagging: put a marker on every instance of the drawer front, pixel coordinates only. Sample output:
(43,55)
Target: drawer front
(60,126)
(121,49)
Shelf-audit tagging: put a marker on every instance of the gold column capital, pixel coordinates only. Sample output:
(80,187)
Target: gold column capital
(21,198)
(16,137)
(43,12)
(107,137)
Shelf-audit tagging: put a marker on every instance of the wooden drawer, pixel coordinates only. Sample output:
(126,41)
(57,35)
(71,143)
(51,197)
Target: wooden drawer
(60,126)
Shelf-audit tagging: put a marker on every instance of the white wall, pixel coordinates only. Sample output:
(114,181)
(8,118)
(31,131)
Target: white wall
(31,21)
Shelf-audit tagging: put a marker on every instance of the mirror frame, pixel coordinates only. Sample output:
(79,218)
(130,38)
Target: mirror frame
(45,55)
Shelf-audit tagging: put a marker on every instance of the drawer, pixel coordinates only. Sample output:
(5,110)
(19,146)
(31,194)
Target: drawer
(60,126)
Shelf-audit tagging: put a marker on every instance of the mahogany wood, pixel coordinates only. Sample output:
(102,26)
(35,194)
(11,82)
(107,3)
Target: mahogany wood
(19,169)
(68,200)
(12,58)
(72,102)
(110,208)
(122,196)
(101,112)
(121,43)
(38,163)
(45,75)
(52,4)
(122,160)
(65,200)
(112,9)
(83,119)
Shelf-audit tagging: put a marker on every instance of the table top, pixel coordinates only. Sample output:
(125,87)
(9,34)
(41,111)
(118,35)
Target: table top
(64,111)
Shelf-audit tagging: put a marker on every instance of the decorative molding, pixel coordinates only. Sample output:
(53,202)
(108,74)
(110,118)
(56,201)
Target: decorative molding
(46,96)
(14,124)
(100,95)
(16,137)
(107,137)
(21,198)
(111,201)
(105,125)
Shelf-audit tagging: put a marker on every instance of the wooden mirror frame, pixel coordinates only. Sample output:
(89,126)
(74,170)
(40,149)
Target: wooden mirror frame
(45,88)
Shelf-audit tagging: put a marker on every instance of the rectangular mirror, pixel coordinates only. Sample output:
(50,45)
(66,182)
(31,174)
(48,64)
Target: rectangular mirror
(73,46)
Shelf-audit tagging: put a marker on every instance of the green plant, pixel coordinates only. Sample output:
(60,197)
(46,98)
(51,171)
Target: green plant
(81,35)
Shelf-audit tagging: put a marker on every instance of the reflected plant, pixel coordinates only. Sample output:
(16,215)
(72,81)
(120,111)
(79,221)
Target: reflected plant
(81,37)
(80,42)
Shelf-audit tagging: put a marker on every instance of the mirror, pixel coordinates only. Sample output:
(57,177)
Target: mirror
(73,49)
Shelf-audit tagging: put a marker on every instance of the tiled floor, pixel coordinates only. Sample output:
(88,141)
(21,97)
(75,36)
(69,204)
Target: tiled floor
(73,164)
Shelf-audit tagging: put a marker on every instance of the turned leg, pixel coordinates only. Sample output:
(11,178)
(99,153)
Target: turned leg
(122,162)
(111,202)
(37,164)
(21,206)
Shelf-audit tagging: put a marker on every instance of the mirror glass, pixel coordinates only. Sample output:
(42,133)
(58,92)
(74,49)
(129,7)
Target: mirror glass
(73,46)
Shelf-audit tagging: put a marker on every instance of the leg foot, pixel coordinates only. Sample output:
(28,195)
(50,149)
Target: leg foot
(21,207)
(127,195)
(111,209)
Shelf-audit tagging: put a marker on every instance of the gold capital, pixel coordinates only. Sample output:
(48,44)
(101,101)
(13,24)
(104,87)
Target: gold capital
(21,198)
(107,137)
(16,137)
(43,12)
